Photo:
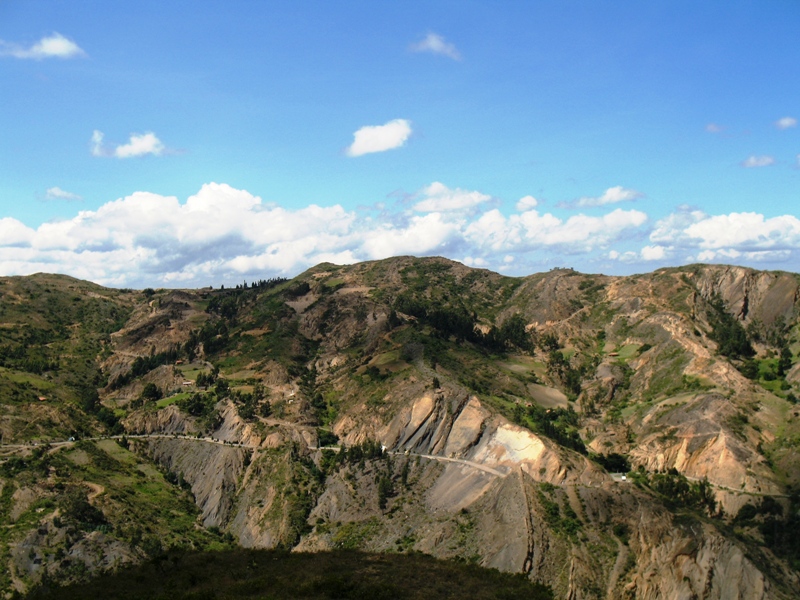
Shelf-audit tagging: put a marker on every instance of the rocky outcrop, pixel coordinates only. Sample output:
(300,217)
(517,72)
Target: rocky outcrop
(750,294)
(212,470)
(168,420)
(36,555)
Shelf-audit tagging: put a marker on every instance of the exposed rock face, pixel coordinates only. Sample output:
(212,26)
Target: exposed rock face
(752,294)
(702,445)
(700,564)
(168,420)
(35,555)
(213,472)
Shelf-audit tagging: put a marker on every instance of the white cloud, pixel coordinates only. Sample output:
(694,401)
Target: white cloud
(648,254)
(745,230)
(149,239)
(436,44)
(671,229)
(731,255)
(475,262)
(97,147)
(531,230)
(222,234)
(628,257)
(526,203)
(612,195)
(379,138)
(139,144)
(54,46)
(653,253)
(786,123)
(56,193)
(14,233)
(712,255)
(743,237)
(426,234)
(440,198)
(714,128)
(758,161)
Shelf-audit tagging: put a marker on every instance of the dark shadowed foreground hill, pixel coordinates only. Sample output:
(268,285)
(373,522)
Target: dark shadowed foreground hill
(240,574)
(412,405)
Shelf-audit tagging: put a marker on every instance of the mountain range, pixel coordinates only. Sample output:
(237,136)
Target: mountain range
(606,437)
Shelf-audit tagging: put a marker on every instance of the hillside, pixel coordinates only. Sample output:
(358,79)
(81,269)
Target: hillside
(413,405)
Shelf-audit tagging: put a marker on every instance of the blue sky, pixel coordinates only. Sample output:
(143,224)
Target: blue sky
(195,143)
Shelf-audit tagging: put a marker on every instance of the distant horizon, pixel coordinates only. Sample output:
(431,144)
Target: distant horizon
(249,281)
(157,145)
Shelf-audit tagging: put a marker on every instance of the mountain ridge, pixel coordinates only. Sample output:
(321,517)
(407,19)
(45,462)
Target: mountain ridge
(551,379)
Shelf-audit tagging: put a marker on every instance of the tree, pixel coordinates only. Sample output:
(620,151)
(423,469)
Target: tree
(150,392)
(729,334)
(385,490)
(221,387)
(749,369)
(784,361)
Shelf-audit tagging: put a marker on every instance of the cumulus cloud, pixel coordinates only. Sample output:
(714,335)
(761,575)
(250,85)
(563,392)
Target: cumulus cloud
(222,234)
(754,161)
(786,123)
(436,44)
(439,198)
(56,193)
(729,255)
(139,144)
(745,230)
(53,46)
(648,254)
(379,138)
(526,203)
(427,234)
(531,230)
(151,239)
(653,253)
(14,233)
(744,237)
(612,195)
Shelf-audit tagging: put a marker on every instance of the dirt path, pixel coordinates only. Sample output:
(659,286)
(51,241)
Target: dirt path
(735,491)
(575,501)
(468,463)
(616,571)
(96,490)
